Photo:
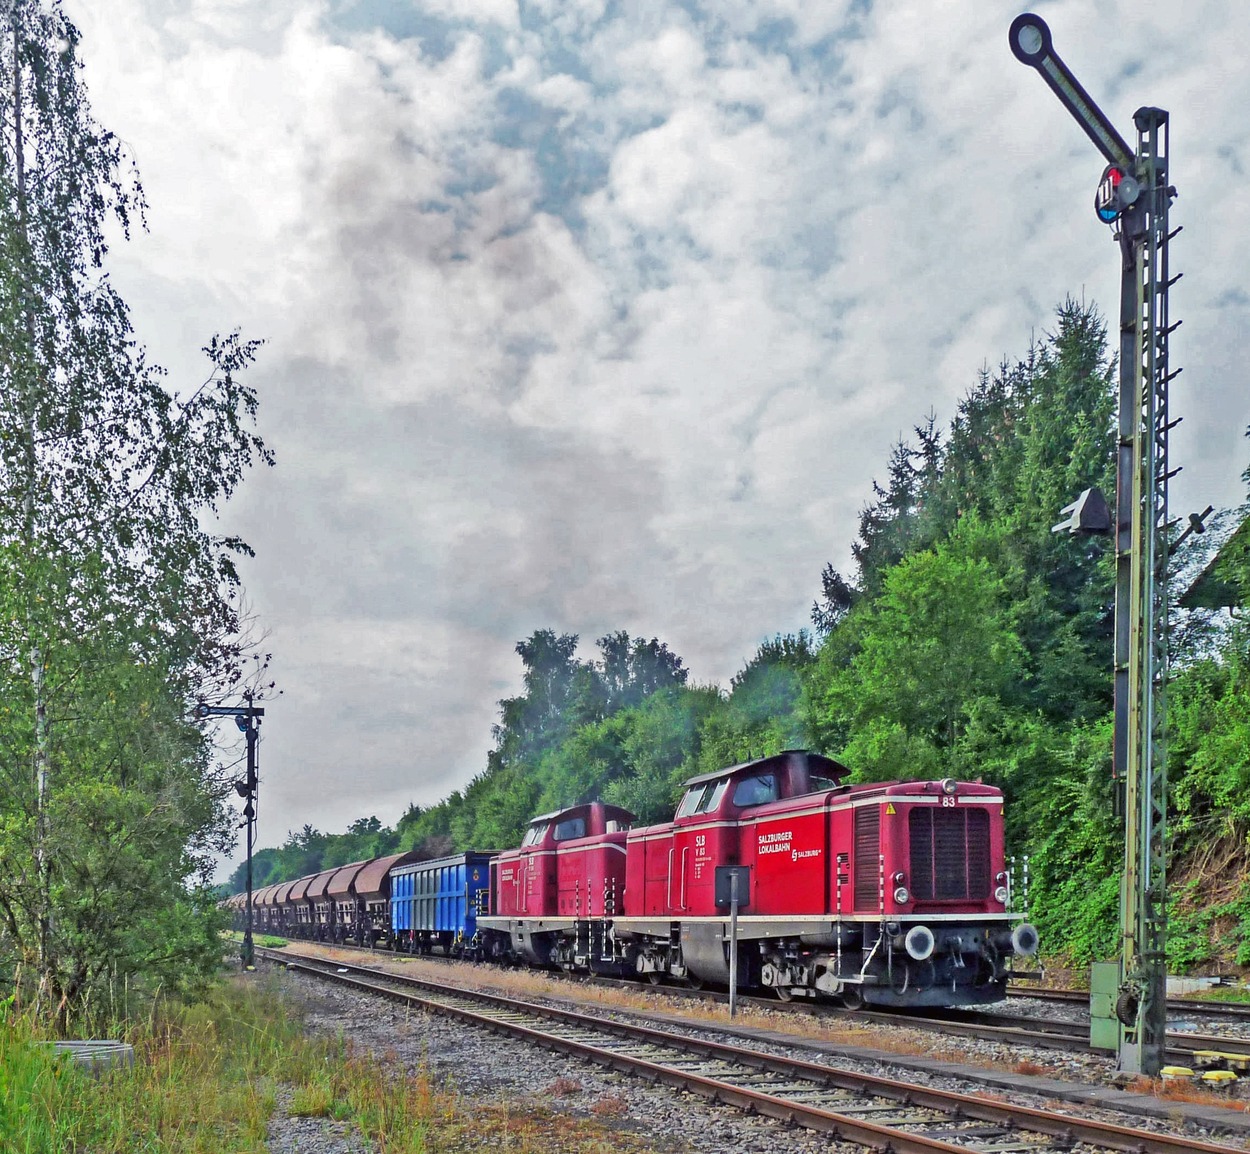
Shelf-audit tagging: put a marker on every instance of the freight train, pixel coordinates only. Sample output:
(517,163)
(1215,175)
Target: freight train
(893,893)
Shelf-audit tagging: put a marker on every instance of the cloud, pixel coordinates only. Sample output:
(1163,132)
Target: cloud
(591,317)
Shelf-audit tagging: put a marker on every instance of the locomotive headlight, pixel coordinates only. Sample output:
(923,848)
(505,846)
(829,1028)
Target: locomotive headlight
(901,896)
(949,785)
(1000,895)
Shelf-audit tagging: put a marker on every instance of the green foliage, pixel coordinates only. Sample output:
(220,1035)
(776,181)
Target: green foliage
(1209,708)
(117,600)
(763,712)
(974,643)
(937,638)
(309,851)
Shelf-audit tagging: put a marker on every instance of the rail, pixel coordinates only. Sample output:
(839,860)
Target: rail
(872,1111)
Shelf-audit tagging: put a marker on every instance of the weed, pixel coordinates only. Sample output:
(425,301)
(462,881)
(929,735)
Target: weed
(1178,1090)
(1028,1068)
(610,1106)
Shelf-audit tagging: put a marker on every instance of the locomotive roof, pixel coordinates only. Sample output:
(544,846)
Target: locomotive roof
(816,763)
(581,805)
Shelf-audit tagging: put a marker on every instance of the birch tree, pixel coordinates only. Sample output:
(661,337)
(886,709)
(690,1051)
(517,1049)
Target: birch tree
(118,602)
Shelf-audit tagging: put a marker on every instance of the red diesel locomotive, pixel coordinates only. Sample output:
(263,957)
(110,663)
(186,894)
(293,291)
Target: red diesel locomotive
(887,893)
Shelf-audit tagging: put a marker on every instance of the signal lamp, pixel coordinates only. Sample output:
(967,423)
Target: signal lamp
(901,896)
(1000,895)
(1030,39)
(1117,190)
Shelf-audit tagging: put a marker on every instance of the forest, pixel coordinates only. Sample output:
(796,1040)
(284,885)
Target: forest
(967,640)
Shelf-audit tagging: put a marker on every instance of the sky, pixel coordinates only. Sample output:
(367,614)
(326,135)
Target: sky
(591,316)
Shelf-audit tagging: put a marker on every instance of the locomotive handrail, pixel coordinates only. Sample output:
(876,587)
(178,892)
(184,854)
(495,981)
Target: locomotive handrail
(684,850)
(863,972)
(669,891)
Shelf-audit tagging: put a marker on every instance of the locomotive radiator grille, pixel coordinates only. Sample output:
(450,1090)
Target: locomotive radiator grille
(950,853)
(867,856)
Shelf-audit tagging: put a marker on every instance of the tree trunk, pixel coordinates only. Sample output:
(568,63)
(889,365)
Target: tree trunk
(42,757)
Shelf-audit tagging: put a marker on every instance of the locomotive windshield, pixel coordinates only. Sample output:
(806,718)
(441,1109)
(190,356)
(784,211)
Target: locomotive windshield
(535,833)
(703,798)
(570,828)
(756,790)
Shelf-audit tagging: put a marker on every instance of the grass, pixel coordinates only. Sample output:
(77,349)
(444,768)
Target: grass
(1235,994)
(1183,1091)
(208,1077)
(260,941)
(204,1079)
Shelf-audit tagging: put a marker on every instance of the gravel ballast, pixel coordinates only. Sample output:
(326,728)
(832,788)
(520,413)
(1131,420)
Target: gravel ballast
(483,1067)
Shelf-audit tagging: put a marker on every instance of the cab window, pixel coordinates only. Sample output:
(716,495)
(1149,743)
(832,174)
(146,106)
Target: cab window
(711,796)
(617,826)
(690,803)
(535,833)
(820,784)
(570,828)
(703,798)
(756,790)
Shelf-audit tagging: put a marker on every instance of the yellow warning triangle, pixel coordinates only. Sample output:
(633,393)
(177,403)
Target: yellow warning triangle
(889,808)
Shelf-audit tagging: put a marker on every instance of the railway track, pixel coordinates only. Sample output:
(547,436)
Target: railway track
(875,1112)
(1181,1047)
(985,1026)
(1080,999)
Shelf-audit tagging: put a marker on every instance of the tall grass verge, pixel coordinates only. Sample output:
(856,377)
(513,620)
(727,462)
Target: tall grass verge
(207,1078)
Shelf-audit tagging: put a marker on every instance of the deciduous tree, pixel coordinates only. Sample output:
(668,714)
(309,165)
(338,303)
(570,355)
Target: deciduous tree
(117,596)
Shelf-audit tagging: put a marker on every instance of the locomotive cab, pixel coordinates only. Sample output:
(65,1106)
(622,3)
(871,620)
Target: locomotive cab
(558,891)
(674,923)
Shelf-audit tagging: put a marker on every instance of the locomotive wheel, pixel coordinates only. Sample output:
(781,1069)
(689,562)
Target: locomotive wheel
(694,983)
(655,977)
(852,997)
(785,993)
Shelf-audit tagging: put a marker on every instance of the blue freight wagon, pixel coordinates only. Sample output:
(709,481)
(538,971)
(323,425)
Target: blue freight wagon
(435,904)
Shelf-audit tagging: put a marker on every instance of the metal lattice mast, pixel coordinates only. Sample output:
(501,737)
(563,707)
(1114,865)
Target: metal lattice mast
(1134,196)
(1141,657)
